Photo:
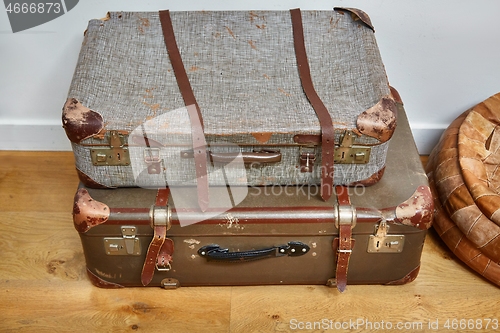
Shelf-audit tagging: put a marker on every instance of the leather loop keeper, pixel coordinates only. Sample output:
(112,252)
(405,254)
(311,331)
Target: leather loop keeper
(156,245)
(194,112)
(344,243)
(325,120)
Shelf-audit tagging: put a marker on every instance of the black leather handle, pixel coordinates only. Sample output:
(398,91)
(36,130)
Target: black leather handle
(214,252)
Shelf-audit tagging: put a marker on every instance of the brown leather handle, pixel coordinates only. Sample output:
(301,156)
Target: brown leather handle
(248,157)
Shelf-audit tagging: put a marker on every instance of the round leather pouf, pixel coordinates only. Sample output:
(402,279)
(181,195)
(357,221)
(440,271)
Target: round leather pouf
(464,174)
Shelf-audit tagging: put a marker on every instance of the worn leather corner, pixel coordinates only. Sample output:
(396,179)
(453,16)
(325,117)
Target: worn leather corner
(407,278)
(395,95)
(418,210)
(380,120)
(372,180)
(80,122)
(89,182)
(99,282)
(87,212)
(357,15)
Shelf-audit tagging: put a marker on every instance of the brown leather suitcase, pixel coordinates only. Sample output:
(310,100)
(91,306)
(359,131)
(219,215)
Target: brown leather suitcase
(277,235)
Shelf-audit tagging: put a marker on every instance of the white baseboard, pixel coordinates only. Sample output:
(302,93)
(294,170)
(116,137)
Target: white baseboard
(33,137)
(53,137)
(426,138)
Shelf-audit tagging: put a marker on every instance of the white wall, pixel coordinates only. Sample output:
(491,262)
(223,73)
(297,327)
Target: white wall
(442,55)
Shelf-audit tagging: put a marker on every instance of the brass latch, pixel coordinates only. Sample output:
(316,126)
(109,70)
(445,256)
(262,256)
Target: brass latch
(307,159)
(152,158)
(128,244)
(382,242)
(348,153)
(114,155)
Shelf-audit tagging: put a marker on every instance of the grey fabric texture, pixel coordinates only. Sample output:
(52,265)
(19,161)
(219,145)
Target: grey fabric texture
(243,71)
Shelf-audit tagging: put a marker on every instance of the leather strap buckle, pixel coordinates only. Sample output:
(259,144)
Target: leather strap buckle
(346,215)
(161,248)
(345,221)
(160,216)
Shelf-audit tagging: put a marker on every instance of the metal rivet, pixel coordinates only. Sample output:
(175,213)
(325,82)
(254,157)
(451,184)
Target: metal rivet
(282,250)
(304,250)
(203,253)
(293,250)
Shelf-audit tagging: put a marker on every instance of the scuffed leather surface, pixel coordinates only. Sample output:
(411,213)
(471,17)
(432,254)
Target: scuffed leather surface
(358,15)
(79,121)
(380,120)
(87,212)
(462,177)
(479,156)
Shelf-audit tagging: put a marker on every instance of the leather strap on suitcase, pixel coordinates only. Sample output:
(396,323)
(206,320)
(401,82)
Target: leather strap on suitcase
(194,112)
(325,120)
(199,143)
(344,244)
(161,248)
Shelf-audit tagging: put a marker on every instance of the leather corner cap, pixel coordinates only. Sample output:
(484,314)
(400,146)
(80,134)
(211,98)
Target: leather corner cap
(379,121)
(418,210)
(87,212)
(99,282)
(357,15)
(80,122)
(410,277)
(395,95)
(372,180)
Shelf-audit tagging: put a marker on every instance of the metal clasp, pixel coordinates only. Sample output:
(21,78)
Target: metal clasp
(307,159)
(348,153)
(152,159)
(128,244)
(114,155)
(382,242)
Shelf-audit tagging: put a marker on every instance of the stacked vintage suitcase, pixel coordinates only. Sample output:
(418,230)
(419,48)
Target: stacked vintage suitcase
(249,148)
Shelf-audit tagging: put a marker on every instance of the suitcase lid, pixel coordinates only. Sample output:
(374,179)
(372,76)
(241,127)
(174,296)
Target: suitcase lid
(243,71)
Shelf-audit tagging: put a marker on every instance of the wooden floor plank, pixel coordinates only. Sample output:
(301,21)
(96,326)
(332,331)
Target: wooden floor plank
(66,306)
(37,181)
(444,289)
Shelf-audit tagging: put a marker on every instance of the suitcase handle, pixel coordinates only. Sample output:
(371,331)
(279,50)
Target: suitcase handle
(263,156)
(248,157)
(214,252)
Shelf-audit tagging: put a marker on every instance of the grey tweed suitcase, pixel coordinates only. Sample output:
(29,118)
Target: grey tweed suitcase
(243,97)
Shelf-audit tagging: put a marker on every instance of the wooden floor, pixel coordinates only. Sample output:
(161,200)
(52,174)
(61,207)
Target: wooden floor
(44,288)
